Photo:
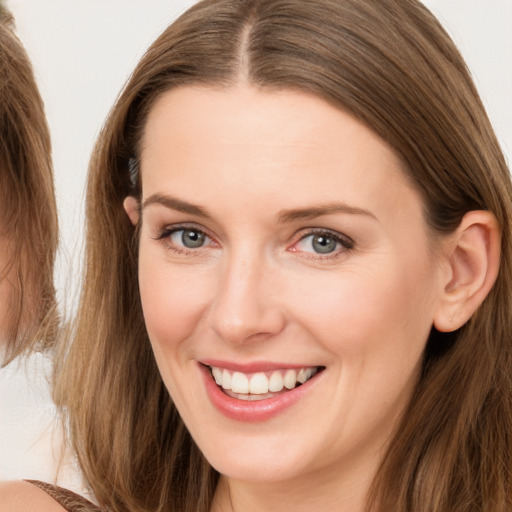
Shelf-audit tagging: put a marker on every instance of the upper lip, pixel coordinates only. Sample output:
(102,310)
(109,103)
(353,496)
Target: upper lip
(254,366)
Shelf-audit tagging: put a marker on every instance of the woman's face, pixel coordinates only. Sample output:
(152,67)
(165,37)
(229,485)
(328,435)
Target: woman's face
(281,243)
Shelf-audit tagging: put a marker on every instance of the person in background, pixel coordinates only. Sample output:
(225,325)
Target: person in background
(31,443)
(28,213)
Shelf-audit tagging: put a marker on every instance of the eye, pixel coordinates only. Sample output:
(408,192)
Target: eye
(323,243)
(189,238)
(184,238)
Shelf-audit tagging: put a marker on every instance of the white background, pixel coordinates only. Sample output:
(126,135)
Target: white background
(84,50)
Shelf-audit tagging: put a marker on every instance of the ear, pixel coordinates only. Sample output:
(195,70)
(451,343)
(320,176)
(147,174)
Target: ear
(473,258)
(131,207)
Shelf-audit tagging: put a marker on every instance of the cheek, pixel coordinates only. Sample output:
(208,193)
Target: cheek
(383,307)
(172,301)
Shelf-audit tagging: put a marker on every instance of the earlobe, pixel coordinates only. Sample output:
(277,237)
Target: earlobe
(131,207)
(473,255)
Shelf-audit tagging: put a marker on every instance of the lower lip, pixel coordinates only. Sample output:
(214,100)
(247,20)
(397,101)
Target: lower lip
(253,411)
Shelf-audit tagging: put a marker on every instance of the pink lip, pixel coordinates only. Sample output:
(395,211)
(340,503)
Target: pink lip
(259,366)
(252,411)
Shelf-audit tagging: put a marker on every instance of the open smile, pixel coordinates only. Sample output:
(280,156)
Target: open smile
(261,385)
(257,395)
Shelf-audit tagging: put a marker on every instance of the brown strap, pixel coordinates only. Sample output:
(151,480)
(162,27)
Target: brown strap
(71,501)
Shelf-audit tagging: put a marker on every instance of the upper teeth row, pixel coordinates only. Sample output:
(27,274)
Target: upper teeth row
(260,383)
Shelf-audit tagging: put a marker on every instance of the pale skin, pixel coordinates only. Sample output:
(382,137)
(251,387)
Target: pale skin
(258,177)
(309,247)
(25,497)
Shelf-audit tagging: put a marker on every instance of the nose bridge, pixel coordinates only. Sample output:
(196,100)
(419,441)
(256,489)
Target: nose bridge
(243,306)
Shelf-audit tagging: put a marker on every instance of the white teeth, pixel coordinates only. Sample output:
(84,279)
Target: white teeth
(275,383)
(226,379)
(261,383)
(258,384)
(301,376)
(239,383)
(290,378)
(217,375)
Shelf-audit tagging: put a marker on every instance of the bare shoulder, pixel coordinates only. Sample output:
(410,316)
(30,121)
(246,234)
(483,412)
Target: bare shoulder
(22,496)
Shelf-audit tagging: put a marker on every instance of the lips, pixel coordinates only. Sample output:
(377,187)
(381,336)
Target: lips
(256,393)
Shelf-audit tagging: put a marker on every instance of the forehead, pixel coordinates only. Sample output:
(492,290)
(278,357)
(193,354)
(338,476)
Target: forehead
(202,141)
(248,115)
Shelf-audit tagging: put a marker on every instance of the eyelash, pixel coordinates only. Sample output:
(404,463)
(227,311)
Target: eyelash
(166,234)
(346,243)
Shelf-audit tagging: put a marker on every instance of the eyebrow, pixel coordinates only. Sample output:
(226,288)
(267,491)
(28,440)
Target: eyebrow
(285,216)
(176,204)
(317,211)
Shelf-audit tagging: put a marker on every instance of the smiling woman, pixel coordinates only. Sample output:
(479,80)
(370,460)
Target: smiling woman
(280,283)
(297,289)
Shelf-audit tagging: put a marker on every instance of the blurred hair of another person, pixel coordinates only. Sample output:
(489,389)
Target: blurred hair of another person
(31,440)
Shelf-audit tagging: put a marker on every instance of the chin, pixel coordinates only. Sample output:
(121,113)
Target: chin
(263,460)
(261,471)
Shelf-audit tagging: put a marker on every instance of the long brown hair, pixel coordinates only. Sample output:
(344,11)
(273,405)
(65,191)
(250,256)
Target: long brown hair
(28,213)
(391,65)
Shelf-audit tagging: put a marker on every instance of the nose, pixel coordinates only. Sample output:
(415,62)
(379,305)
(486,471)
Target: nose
(246,306)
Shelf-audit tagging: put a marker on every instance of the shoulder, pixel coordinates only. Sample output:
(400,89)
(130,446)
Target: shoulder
(25,497)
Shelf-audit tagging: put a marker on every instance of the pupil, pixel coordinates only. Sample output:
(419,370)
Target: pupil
(192,239)
(324,244)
